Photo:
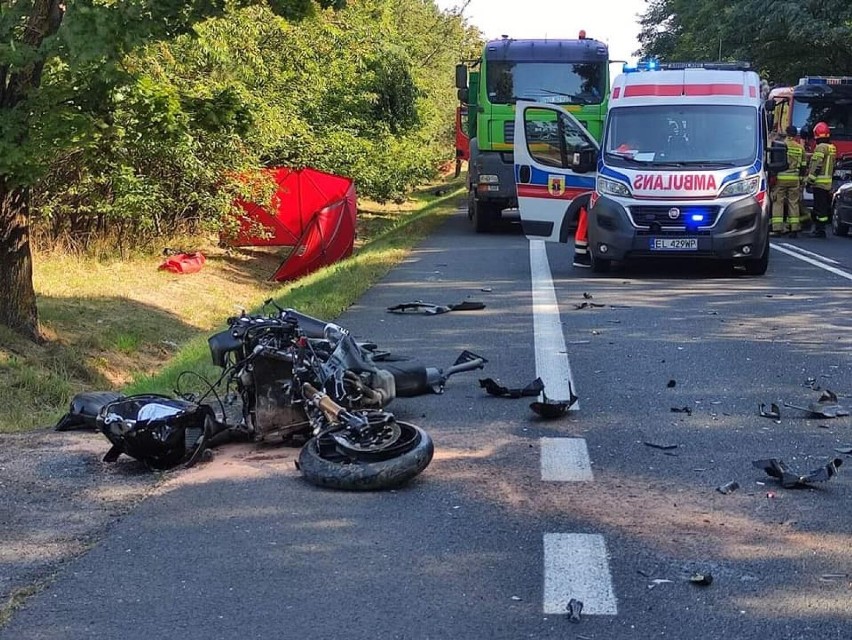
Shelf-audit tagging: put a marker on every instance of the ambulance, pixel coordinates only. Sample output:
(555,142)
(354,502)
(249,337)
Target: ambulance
(682,171)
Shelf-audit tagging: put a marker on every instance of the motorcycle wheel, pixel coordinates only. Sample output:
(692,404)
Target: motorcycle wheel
(325,466)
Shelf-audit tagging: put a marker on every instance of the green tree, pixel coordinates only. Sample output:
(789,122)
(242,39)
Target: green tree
(61,63)
(783,39)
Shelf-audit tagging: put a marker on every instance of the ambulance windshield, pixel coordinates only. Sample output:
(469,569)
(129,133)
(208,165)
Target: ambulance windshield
(674,136)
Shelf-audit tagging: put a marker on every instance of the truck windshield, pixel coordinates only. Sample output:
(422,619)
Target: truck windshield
(837,116)
(553,82)
(675,136)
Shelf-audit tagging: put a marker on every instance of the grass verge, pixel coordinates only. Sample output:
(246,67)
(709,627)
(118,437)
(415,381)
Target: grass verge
(125,325)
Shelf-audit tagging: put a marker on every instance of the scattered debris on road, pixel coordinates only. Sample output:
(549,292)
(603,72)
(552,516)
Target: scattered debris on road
(493,388)
(588,305)
(657,445)
(671,384)
(728,487)
(686,410)
(789,478)
(575,607)
(550,409)
(826,407)
(658,581)
(774,412)
(703,579)
(429,309)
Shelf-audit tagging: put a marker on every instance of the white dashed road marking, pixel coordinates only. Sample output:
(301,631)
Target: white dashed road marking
(565,460)
(576,565)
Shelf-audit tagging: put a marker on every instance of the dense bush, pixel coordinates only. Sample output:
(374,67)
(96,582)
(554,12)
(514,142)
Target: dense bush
(365,90)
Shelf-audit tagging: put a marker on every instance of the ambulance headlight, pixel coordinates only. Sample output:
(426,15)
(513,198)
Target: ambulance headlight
(609,187)
(746,187)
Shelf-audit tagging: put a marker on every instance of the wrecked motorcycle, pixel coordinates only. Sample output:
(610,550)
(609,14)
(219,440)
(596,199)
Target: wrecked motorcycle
(298,377)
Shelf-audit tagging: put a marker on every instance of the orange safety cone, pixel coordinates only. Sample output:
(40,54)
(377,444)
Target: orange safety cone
(581,241)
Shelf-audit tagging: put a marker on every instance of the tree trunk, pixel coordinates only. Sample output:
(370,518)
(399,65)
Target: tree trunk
(17,294)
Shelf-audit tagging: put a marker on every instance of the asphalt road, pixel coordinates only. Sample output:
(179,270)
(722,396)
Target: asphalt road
(480,546)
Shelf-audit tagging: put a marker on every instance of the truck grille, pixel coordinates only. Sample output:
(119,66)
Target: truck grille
(648,215)
(509,131)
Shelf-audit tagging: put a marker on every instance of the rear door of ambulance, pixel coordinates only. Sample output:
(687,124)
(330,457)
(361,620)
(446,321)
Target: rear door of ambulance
(551,186)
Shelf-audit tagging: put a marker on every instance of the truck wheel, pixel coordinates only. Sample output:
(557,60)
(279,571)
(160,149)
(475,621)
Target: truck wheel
(471,204)
(483,216)
(838,227)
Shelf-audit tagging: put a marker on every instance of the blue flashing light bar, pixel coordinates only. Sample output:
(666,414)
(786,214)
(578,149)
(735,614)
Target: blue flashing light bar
(652,64)
(826,80)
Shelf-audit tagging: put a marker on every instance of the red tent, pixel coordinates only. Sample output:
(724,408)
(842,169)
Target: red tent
(311,211)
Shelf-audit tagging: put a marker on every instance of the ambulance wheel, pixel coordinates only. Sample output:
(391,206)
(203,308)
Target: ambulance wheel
(600,265)
(482,216)
(758,266)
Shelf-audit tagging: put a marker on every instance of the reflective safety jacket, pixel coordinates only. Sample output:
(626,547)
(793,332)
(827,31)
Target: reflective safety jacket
(822,165)
(795,162)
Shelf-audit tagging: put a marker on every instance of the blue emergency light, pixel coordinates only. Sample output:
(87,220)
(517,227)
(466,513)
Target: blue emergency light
(822,80)
(651,64)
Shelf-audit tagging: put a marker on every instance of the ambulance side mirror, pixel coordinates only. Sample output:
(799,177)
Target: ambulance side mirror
(776,160)
(585,161)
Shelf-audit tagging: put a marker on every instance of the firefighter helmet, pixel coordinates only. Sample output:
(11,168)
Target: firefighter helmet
(821,130)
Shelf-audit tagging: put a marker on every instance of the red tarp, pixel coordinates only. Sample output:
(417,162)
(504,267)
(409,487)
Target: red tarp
(184,263)
(312,211)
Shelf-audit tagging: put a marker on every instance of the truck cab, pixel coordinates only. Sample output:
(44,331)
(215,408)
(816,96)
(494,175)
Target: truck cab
(571,73)
(682,169)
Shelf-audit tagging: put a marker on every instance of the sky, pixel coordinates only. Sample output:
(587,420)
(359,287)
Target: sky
(613,21)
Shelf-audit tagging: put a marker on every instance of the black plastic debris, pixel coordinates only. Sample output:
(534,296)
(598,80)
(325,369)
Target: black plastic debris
(588,305)
(672,384)
(728,487)
(657,445)
(827,406)
(789,478)
(532,389)
(703,579)
(774,411)
(551,409)
(574,608)
(429,309)
(160,431)
(84,409)
(686,410)
(587,295)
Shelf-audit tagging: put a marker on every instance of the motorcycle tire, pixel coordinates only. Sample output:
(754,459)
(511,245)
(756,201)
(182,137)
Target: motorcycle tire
(355,475)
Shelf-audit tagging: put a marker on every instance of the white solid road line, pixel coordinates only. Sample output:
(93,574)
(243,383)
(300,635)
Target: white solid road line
(576,565)
(565,460)
(798,249)
(816,263)
(551,358)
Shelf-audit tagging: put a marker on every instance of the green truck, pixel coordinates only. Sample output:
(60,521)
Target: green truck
(571,73)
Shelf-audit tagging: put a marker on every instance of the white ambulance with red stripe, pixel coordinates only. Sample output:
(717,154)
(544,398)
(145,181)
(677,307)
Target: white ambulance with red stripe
(682,168)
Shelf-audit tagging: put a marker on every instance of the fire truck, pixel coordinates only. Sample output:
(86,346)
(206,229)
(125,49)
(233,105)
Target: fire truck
(816,99)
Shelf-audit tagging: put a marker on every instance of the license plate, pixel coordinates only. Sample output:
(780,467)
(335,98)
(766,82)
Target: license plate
(674,244)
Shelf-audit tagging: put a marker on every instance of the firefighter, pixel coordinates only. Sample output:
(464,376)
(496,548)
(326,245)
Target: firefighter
(785,192)
(820,173)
